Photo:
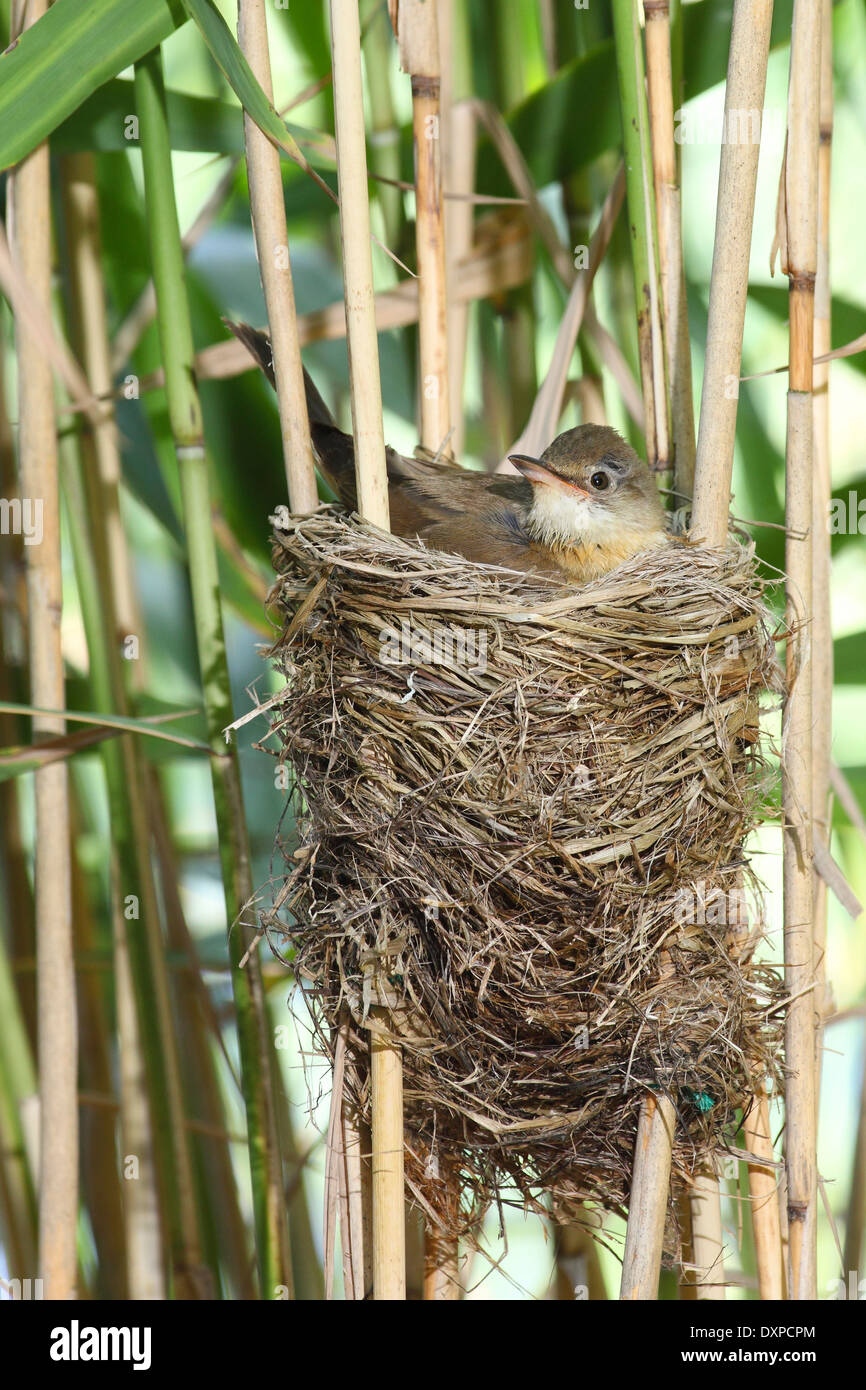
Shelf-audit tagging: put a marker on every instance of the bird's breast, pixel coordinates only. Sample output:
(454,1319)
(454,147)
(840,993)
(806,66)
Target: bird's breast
(586,559)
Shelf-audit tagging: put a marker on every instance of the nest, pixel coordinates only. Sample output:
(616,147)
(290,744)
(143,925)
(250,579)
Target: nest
(521,815)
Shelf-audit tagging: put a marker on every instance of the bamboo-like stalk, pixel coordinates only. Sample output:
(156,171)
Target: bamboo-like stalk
(738,171)
(417,33)
(801,203)
(93,350)
(821,631)
(648,1200)
(744,92)
(202,1080)
(652,1162)
(389,1253)
(361,337)
(504,34)
(707,1246)
(707,1277)
(459,147)
(272,248)
(668,211)
(132,880)
(640,194)
(272,1238)
(763,1185)
(822,634)
(57,1023)
(440,1281)
(99,550)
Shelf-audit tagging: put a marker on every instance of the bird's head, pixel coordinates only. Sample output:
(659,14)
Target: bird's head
(589,487)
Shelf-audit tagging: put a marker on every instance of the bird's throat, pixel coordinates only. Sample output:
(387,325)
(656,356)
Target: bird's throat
(586,540)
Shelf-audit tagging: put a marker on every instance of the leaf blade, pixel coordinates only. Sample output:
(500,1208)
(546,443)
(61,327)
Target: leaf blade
(86,44)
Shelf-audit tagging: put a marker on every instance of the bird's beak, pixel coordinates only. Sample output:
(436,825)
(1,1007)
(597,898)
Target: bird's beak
(535,472)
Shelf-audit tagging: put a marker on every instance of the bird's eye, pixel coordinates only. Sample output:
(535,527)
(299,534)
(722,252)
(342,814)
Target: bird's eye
(600,481)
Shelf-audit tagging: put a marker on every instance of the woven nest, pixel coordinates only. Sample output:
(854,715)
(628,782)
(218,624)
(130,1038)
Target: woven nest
(521,814)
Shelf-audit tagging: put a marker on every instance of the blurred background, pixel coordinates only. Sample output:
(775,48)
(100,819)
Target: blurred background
(548,67)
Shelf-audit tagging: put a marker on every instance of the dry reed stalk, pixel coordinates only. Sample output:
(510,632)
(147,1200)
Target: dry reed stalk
(687,1291)
(200,1039)
(355,1198)
(707,1246)
(458,162)
(738,169)
(389,1255)
(744,93)
(389,1220)
(650,1188)
(272,248)
(822,631)
(763,1186)
(801,212)
(440,1254)
(822,634)
(707,1279)
(145,1268)
(416,27)
(82,212)
(669,218)
(648,1200)
(460,157)
(56,991)
(141,1214)
(361,341)
(642,222)
(92,502)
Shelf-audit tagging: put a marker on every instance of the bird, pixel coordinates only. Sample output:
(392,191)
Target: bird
(584,506)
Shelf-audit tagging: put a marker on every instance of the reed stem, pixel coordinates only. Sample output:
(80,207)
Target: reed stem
(763,1185)
(272,248)
(648,1200)
(418,42)
(92,502)
(388,1197)
(640,197)
(661,103)
(55,983)
(822,630)
(738,171)
(175,332)
(801,204)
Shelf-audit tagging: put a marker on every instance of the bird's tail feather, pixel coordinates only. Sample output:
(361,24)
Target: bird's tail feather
(258,344)
(334,449)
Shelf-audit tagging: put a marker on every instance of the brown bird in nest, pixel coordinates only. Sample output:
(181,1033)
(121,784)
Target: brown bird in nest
(586,505)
